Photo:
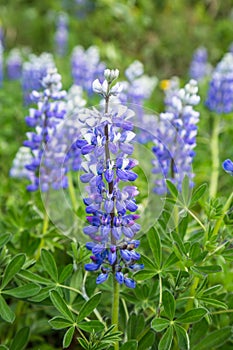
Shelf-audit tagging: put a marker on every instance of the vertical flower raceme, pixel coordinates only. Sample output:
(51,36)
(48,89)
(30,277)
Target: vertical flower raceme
(86,66)
(22,158)
(45,119)
(176,137)
(14,65)
(136,90)
(61,34)
(199,67)
(33,72)
(220,93)
(110,206)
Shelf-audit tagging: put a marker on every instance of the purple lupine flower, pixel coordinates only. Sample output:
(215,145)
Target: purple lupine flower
(176,138)
(199,67)
(45,119)
(86,67)
(107,149)
(228,166)
(136,90)
(61,35)
(18,170)
(33,73)
(14,65)
(1,64)
(220,93)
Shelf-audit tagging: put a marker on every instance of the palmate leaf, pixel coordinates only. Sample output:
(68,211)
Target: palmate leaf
(49,264)
(88,307)
(169,304)
(192,316)
(182,336)
(12,269)
(58,322)
(68,337)
(159,324)
(6,313)
(21,339)
(155,246)
(61,306)
(166,340)
(214,339)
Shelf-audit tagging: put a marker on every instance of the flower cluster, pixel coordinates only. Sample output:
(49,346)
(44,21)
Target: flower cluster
(106,148)
(86,66)
(45,119)
(176,137)
(14,65)
(18,170)
(33,72)
(199,67)
(220,91)
(228,166)
(135,90)
(61,35)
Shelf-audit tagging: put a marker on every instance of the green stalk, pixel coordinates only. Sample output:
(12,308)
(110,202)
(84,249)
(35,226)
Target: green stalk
(72,192)
(115,308)
(44,230)
(190,301)
(224,210)
(214,149)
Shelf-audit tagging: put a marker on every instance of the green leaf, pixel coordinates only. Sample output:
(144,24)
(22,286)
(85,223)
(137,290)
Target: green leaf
(147,341)
(195,251)
(30,276)
(49,264)
(21,339)
(42,295)
(61,306)
(3,347)
(169,304)
(143,275)
(212,290)
(159,324)
(192,316)
(171,260)
(130,345)
(186,191)
(172,188)
(183,338)
(91,326)
(198,193)
(155,246)
(4,238)
(208,269)
(213,302)
(68,337)
(88,307)
(84,343)
(58,322)
(214,339)
(166,341)
(198,331)
(136,325)
(149,264)
(6,313)
(26,291)
(12,269)
(66,272)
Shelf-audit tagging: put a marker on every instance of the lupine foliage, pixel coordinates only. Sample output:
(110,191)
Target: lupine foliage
(61,291)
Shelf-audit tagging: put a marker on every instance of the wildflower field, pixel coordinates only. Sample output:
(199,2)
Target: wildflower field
(116,175)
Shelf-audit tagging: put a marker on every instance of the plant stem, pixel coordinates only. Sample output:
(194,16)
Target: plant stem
(160,294)
(115,308)
(220,220)
(214,149)
(44,230)
(72,192)
(189,304)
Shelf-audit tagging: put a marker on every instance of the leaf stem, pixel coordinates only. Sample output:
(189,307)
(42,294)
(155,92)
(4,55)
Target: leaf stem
(115,308)
(189,304)
(214,149)
(160,295)
(44,230)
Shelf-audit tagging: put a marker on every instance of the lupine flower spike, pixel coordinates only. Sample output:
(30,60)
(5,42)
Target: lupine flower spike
(45,119)
(106,147)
